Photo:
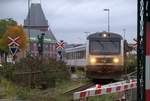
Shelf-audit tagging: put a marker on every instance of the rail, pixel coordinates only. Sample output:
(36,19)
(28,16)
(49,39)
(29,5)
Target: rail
(83,87)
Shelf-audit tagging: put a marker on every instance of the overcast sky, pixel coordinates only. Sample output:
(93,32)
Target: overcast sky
(70,19)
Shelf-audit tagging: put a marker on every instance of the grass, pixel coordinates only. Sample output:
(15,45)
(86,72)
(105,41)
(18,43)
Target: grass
(109,97)
(8,90)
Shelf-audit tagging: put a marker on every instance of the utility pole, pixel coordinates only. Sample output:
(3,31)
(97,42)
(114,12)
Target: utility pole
(124,33)
(108,10)
(29,52)
(147,51)
(141,47)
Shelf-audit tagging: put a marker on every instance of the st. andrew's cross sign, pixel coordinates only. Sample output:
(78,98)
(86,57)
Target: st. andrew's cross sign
(13,42)
(13,46)
(60,45)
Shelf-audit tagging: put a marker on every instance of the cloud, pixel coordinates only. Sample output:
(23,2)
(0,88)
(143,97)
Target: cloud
(69,19)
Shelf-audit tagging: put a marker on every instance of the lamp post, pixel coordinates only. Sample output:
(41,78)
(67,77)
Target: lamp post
(29,28)
(108,18)
(124,33)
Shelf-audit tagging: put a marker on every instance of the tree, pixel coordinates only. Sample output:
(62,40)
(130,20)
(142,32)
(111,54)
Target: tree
(9,27)
(13,32)
(4,24)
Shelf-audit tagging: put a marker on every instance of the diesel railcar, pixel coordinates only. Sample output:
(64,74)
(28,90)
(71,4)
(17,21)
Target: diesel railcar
(102,57)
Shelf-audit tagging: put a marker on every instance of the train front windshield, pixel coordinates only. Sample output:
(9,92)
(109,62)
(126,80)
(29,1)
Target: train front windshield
(104,47)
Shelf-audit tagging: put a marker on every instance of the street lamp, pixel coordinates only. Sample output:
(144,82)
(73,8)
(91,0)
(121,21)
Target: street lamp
(108,18)
(124,33)
(29,28)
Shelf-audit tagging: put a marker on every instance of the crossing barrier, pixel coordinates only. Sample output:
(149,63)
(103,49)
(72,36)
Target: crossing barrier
(106,89)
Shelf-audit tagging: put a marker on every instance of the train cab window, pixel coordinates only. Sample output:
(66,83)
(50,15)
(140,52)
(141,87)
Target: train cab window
(104,47)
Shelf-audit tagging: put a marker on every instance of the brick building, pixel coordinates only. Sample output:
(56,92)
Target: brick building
(35,24)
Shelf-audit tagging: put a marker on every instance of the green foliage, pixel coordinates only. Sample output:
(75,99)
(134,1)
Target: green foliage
(9,27)
(34,72)
(130,63)
(7,89)
(13,32)
(109,97)
(23,93)
(4,24)
(7,71)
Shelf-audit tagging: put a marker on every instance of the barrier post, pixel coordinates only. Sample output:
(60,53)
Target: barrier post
(147,51)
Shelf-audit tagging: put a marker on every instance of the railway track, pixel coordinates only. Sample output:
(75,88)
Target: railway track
(88,85)
(83,87)
(122,96)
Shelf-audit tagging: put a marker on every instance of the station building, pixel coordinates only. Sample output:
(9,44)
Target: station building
(35,24)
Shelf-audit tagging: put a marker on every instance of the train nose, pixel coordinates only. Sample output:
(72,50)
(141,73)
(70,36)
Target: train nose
(104,69)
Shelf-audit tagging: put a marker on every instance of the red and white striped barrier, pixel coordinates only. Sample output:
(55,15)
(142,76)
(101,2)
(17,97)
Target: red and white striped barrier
(147,81)
(106,89)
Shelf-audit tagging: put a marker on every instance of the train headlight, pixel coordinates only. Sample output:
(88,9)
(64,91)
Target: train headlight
(104,35)
(93,60)
(115,60)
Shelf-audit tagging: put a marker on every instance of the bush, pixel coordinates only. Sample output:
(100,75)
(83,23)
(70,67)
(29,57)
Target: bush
(7,89)
(36,72)
(7,71)
(130,63)
(23,93)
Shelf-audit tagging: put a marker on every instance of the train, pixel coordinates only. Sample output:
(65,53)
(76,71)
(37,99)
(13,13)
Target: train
(102,57)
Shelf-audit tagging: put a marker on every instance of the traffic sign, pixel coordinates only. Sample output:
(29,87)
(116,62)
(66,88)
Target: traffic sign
(135,44)
(13,41)
(60,45)
(13,50)
(13,47)
(9,59)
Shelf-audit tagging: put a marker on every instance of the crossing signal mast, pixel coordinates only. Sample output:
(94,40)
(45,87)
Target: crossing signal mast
(60,48)
(143,50)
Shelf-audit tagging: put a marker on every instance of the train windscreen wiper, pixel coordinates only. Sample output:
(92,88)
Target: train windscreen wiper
(101,44)
(113,42)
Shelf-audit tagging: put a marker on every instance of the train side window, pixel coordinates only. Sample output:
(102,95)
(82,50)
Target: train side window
(81,54)
(73,55)
(78,56)
(84,54)
(66,55)
(70,55)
